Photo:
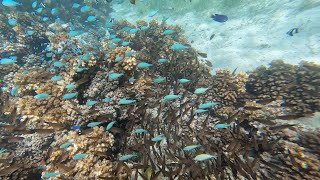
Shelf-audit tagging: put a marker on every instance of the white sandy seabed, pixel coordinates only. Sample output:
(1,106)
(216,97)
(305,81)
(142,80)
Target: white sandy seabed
(249,40)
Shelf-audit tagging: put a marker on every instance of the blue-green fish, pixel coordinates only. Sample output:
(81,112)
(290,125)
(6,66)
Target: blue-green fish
(139,131)
(125,101)
(118,58)
(132,79)
(178,47)
(112,46)
(107,99)
(10,3)
(221,126)
(85,57)
(116,40)
(79,156)
(115,75)
(71,86)
(7,61)
(70,95)
(75,5)
(200,90)
(2,151)
(158,138)
(58,64)
(144,65)
(39,10)
(54,11)
(143,28)
(41,96)
(168,31)
(207,105)
(12,21)
(200,111)
(162,60)
(91,102)
(51,174)
(134,30)
(125,43)
(126,157)
(152,13)
(49,54)
(34,4)
(91,18)
(159,79)
(203,157)
(85,9)
(171,97)
(82,69)
(74,33)
(65,145)
(14,90)
(56,78)
(182,81)
(129,53)
(93,124)
(110,125)
(191,147)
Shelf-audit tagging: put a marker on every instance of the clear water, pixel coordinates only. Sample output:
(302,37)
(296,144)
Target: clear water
(159,89)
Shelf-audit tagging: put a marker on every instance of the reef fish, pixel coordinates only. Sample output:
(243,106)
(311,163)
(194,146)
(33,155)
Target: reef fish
(125,101)
(76,127)
(221,126)
(79,156)
(58,64)
(10,3)
(65,145)
(293,31)
(70,86)
(41,96)
(168,31)
(207,105)
(200,90)
(200,111)
(144,65)
(158,138)
(70,95)
(126,157)
(162,60)
(93,124)
(178,47)
(110,125)
(182,81)
(91,18)
(14,90)
(139,131)
(85,9)
(129,53)
(203,157)
(51,174)
(152,13)
(107,99)
(75,5)
(118,58)
(7,61)
(171,97)
(159,79)
(191,147)
(115,75)
(91,102)
(219,18)
(56,78)
(12,22)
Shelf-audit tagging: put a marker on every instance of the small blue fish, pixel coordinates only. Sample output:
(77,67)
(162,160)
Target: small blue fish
(74,33)
(158,138)
(112,36)
(118,58)
(178,47)
(34,4)
(200,90)
(107,99)
(79,156)
(198,111)
(91,18)
(56,78)
(144,65)
(171,97)
(14,90)
(112,46)
(125,43)
(49,54)
(75,5)
(70,95)
(54,11)
(30,32)
(6,61)
(221,126)
(125,101)
(10,3)
(85,9)
(51,174)
(129,53)
(65,145)
(168,31)
(134,30)
(219,18)
(109,24)
(41,96)
(45,19)
(76,127)
(70,86)
(203,157)
(139,131)
(126,157)
(85,57)
(91,102)
(93,124)
(39,10)
(132,79)
(110,125)
(115,75)
(115,40)
(162,60)
(191,147)
(159,79)
(143,28)
(82,69)
(152,13)
(12,22)
(207,105)
(58,64)
(182,81)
